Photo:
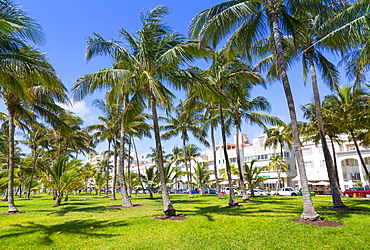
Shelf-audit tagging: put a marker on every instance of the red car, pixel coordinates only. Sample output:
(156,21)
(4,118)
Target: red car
(358,191)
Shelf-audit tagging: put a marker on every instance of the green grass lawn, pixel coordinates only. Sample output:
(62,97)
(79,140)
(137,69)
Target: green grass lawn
(91,222)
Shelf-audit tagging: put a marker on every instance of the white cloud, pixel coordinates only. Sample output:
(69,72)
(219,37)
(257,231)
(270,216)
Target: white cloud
(83,111)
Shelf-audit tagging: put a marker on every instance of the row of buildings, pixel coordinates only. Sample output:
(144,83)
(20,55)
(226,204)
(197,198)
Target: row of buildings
(349,168)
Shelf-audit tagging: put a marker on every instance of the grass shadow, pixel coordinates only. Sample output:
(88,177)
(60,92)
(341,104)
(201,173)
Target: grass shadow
(75,227)
(63,210)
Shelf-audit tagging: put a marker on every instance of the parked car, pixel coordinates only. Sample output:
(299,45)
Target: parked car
(195,191)
(209,191)
(226,190)
(258,192)
(286,191)
(358,191)
(181,191)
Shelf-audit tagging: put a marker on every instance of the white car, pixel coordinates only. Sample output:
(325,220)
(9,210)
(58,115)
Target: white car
(286,191)
(258,192)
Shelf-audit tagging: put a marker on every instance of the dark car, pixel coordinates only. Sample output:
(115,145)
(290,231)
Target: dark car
(209,191)
(181,191)
(357,192)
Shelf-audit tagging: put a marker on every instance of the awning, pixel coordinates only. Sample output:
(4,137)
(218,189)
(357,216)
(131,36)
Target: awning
(321,183)
(270,181)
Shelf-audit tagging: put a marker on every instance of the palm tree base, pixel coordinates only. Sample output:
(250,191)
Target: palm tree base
(310,217)
(246,198)
(170,212)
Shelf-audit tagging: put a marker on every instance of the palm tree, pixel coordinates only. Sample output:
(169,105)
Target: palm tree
(176,156)
(61,175)
(349,106)
(231,78)
(311,132)
(278,165)
(278,137)
(254,19)
(352,21)
(252,175)
(154,57)
(243,108)
(34,87)
(68,138)
(35,138)
(312,58)
(106,130)
(202,176)
(212,121)
(185,120)
(150,181)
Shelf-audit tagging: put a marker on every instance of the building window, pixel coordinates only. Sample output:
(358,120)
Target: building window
(308,164)
(306,151)
(323,164)
(351,147)
(286,154)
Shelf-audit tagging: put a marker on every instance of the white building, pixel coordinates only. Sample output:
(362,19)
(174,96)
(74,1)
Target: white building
(350,171)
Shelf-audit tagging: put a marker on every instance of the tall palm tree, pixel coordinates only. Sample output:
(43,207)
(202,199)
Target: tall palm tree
(311,132)
(33,86)
(185,120)
(105,130)
(35,139)
(211,122)
(245,109)
(153,56)
(230,78)
(312,58)
(176,156)
(279,137)
(349,105)
(254,19)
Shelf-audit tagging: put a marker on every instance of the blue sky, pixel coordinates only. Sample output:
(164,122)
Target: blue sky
(68,23)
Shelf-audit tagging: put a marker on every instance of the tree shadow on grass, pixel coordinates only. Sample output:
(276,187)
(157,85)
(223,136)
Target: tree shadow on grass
(63,210)
(76,227)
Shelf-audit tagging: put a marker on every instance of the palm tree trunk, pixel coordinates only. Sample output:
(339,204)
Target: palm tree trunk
(5,195)
(309,212)
(334,158)
(186,165)
(334,184)
(58,199)
(232,200)
(359,154)
(215,164)
(138,166)
(129,169)
(168,209)
(114,181)
(35,157)
(107,171)
(245,196)
(278,170)
(11,206)
(126,202)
